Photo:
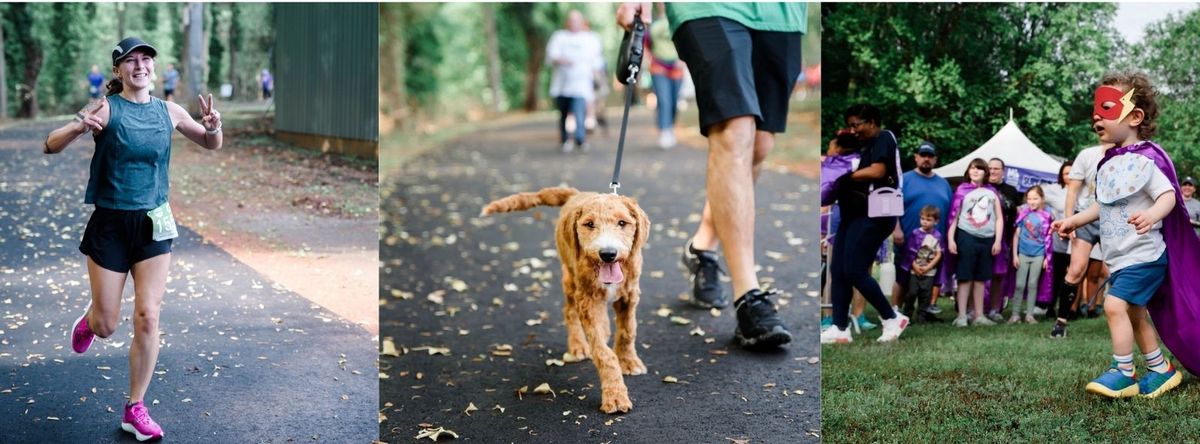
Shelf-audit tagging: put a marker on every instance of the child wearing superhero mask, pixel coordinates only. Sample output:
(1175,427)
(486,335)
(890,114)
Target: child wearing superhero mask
(1138,208)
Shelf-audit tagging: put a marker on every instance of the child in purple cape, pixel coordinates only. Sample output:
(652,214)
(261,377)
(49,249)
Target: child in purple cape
(923,254)
(975,226)
(1031,251)
(1142,223)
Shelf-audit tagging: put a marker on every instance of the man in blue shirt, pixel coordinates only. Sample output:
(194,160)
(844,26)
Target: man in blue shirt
(95,82)
(920,187)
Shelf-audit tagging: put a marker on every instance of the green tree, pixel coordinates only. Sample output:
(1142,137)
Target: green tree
(951,72)
(216,47)
(1168,53)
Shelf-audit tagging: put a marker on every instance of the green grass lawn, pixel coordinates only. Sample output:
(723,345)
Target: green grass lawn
(991,384)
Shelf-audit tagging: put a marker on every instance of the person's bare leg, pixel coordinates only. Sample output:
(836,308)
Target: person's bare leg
(937,291)
(1143,330)
(149,283)
(730,185)
(964,294)
(997,290)
(107,286)
(857,305)
(706,236)
(977,294)
(897,293)
(1119,325)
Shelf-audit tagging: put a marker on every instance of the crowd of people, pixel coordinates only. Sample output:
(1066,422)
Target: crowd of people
(986,243)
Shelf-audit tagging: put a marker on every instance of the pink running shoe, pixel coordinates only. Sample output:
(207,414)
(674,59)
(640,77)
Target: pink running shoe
(138,422)
(81,335)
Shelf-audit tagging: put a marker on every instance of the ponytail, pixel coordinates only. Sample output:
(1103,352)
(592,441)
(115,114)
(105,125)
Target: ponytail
(114,86)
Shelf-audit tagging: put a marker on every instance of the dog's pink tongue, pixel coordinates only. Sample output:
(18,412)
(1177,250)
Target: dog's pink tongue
(610,273)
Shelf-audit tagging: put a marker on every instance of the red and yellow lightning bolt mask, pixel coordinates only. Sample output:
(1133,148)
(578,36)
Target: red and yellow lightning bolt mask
(1123,103)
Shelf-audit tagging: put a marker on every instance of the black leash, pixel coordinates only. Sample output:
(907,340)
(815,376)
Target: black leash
(629,64)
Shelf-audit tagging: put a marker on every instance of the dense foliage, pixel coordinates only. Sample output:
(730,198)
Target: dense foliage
(49,47)
(951,72)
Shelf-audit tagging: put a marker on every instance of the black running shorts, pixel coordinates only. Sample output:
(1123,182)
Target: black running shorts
(117,239)
(739,71)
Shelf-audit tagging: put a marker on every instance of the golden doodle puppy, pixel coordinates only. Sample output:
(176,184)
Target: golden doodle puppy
(599,238)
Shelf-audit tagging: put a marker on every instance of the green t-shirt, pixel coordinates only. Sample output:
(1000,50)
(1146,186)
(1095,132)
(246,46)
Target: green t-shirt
(783,17)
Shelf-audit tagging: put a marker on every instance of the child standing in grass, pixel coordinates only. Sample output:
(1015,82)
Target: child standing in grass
(1136,191)
(976,223)
(1030,247)
(924,245)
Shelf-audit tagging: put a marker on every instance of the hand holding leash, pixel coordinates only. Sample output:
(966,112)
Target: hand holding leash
(629,65)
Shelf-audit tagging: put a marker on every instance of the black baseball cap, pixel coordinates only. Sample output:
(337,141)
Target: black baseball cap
(1188,179)
(927,147)
(127,46)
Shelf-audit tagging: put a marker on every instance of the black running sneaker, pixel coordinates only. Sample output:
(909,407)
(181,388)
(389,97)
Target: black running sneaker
(759,326)
(707,291)
(1059,331)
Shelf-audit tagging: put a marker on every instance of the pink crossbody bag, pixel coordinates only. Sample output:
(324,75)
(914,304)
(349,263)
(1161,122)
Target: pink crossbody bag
(887,201)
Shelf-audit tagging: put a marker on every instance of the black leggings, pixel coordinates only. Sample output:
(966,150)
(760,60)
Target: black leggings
(854,250)
(1063,293)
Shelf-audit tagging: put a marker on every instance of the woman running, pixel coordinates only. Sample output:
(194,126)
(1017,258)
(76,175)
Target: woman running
(130,231)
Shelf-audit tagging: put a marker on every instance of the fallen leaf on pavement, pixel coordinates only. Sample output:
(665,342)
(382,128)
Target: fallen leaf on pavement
(544,389)
(436,434)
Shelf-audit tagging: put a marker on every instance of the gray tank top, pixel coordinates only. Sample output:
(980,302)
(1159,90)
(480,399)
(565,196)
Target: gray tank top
(133,154)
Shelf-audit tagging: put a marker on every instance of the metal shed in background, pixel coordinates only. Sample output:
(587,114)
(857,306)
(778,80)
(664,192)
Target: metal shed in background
(327,76)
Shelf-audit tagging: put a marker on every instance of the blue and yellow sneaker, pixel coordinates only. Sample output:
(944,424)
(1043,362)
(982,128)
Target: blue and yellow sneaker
(1155,383)
(1113,384)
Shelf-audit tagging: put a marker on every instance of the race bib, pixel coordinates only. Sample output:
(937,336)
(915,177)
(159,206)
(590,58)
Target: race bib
(164,222)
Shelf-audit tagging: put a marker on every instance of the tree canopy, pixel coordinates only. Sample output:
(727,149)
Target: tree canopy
(950,72)
(49,47)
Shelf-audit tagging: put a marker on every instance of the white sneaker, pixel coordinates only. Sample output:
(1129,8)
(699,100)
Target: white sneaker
(568,147)
(961,321)
(983,321)
(893,327)
(835,335)
(666,139)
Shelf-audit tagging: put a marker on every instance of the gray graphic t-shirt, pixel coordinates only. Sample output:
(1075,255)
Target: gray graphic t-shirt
(977,215)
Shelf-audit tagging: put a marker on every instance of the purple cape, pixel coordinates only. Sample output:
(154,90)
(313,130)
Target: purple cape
(833,167)
(951,259)
(1046,283)
(1175,308)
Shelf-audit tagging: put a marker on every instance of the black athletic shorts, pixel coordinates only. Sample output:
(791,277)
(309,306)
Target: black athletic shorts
(975,259)
(739,71)
(117,239)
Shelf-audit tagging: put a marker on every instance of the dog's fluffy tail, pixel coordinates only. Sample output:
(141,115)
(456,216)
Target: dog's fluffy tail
(554,197)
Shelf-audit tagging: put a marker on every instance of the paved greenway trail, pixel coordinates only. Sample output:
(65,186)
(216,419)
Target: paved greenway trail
(495,284)
(242,360)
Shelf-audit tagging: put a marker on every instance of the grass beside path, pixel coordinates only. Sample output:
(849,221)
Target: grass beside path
(991,384)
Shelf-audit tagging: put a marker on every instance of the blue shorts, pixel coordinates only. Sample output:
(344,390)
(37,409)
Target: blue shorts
(1136,284)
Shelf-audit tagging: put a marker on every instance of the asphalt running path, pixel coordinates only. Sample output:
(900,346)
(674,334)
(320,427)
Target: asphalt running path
(242,360)
(495,283)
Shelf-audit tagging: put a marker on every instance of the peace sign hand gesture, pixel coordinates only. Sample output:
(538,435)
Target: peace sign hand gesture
(89,116)
(211,117)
